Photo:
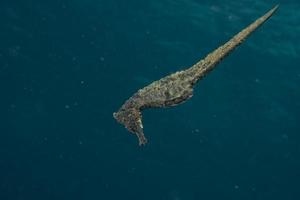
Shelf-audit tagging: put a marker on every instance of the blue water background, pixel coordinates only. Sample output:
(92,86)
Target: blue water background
(66,66)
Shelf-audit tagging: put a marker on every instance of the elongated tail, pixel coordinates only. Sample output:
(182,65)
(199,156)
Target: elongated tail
(201,68)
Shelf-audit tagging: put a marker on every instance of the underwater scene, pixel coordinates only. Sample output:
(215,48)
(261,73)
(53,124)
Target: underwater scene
(70,71)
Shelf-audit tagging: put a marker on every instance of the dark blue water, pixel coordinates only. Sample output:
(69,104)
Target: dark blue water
(66,66)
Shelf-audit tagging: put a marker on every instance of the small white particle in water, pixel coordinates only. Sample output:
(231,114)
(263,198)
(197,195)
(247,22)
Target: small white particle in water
(67,106)
(132,170)
(285,136)
(195,131)
(81,82)
(215,8)
(236,187)
(14,51)
(80,142)
(102,59)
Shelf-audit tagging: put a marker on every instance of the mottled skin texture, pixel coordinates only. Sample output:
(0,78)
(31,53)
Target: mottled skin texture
(178,87)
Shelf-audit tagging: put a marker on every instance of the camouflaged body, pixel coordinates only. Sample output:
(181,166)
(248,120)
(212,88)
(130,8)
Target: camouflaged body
(176,88)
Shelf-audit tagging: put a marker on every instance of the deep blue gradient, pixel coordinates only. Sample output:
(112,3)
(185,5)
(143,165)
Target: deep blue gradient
(66,66)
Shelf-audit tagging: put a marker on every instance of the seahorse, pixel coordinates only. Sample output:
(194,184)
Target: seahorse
(176,88)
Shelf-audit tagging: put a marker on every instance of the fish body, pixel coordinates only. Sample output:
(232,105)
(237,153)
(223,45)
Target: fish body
(176,88)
